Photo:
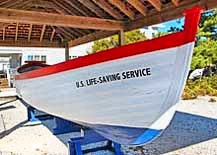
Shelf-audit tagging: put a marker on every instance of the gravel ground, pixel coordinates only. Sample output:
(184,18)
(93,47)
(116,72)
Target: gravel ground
(193,131)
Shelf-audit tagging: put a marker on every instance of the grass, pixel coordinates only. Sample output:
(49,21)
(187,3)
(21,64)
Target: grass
(200,87)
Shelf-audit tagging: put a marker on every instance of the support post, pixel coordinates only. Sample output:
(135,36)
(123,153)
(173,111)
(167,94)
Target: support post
(90,136)
(62,126)
(66,51)
(31,114)
(121,38)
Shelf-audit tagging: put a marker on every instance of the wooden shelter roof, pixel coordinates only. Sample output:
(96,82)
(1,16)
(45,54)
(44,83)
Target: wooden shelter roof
(53,23)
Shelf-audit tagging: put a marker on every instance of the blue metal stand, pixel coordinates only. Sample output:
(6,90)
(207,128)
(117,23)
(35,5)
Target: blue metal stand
(31,114)
(90,136)
(62,126)
(35,115)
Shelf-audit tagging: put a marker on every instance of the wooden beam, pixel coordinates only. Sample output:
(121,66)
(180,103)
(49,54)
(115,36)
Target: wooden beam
(65,33)
(175,2)
(121,38)
(156,4)
(5,2)
(13,3)
(32,17)
(77,7)
(138,5)
(60,36)
(62,7)
(42,32)
(79,32)
(42,4)
(170,12)
(22,4)
(91,37)
(16,34)
(52,35)
(73,32)
(108,8)
(93,8)
(19,43)
(126,10)
(30,32)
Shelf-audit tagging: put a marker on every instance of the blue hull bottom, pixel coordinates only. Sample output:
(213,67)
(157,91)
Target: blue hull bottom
(126,135)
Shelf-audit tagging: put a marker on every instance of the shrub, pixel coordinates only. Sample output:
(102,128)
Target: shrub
(200,87)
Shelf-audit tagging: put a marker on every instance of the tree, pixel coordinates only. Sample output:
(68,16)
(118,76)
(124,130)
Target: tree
(208,25)
(111,42)
(160,34)
(204,54)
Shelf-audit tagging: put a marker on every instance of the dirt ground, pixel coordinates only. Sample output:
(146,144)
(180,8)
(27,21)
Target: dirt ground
(193,131)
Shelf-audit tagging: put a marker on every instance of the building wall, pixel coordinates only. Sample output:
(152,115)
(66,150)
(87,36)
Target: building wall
(53,55)
(4,63)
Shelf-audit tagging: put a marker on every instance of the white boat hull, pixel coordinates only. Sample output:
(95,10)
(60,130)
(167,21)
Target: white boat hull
(129,102)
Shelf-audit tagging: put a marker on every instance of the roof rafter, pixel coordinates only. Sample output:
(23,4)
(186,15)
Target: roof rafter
(68,33)
(167,13)
(77,7)
(43,4)
(62,7)
(175,2)
(138,5)
(63,33)
(21,4)
(126,10)
(3,35)
(90,5)
(30,32)
(108,8)
(156,4)
(52,35)
(42,32)
(16,33)
(5,2)
(32,17)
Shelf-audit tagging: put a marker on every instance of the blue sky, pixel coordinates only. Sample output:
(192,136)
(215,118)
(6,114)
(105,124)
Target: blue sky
(174,23)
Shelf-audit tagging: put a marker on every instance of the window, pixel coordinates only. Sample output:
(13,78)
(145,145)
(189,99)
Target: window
(37,58)
(73,57)
(155,28)
(30,57)
(44,58)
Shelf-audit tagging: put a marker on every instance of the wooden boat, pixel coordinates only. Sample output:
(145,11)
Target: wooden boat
(127,94)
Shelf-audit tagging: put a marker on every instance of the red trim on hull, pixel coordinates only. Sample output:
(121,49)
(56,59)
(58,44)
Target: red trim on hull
(168,41)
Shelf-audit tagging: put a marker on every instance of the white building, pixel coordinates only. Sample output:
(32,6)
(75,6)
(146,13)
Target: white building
(4,63)
(16,56)
(150,31)
(13,57)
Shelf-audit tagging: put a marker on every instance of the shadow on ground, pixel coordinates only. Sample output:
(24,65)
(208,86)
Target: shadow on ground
(184,130)
(8,131)
(7,107)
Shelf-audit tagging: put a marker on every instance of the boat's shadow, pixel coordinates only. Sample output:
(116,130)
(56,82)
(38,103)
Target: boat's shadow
(184,130)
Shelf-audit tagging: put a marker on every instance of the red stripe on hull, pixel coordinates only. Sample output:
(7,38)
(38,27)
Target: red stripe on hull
(168,41)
